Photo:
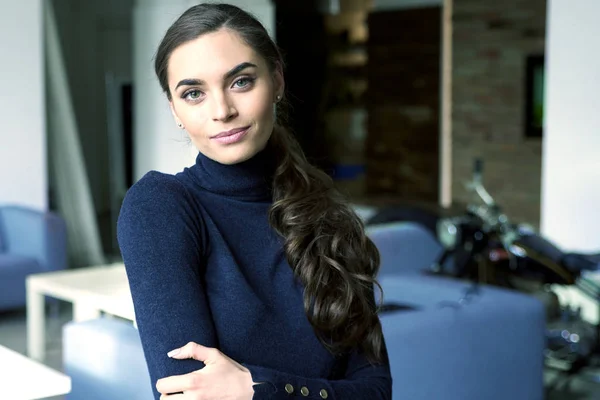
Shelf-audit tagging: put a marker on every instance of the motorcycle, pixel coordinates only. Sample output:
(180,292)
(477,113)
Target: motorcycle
(489,248)
(485,246)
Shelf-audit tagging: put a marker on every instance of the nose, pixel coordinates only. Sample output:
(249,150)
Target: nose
(223,107)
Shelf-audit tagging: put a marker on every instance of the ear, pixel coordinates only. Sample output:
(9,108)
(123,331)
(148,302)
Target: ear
(278,81)
(175,117)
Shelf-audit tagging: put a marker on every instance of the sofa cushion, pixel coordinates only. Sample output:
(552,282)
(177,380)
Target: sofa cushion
(13,271)
(405,248)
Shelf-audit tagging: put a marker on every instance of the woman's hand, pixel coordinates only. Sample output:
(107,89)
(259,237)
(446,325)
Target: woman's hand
(221,378)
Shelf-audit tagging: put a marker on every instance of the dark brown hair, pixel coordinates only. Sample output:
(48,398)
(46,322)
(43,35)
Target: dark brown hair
(325,241)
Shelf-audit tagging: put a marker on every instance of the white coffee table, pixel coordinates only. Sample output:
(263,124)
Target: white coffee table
(25,379)
(93,290)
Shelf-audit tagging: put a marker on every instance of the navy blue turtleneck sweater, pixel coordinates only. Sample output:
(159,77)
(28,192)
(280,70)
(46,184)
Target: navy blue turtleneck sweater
(204,265)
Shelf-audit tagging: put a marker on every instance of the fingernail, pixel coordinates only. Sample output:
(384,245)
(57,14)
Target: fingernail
(173,352)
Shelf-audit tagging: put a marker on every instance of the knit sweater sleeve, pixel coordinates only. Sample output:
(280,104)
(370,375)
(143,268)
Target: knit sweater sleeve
(161,246)
(362,381)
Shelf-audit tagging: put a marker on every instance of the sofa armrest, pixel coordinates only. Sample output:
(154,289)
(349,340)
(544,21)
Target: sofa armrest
(36,234)
(490,347)
(105,360)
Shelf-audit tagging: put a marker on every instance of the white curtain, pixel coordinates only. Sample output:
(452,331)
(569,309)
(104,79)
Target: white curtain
(66,165)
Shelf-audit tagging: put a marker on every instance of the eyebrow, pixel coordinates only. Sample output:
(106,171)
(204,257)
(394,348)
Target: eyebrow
(234,71)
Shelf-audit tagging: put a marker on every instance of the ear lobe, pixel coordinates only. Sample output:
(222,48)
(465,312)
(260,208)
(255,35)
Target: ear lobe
(177,120)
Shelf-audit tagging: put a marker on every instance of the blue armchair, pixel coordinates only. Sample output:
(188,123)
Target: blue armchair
(31,241)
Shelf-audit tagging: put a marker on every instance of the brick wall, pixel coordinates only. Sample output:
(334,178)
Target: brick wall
(491,42)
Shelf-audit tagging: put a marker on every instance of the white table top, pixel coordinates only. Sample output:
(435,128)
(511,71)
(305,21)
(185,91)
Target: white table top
(105,287)
(25,379)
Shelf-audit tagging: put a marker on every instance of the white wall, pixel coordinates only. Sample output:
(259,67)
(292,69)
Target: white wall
(570,213)
(96,39)
(158,144)
(23,167)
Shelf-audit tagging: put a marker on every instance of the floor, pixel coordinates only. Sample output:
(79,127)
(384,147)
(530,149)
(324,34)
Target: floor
(12,335)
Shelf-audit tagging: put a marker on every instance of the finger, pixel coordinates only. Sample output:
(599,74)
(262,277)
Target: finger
(195,351)
(176,383)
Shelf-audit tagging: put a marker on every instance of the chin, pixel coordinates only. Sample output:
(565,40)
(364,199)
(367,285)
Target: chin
(235,155)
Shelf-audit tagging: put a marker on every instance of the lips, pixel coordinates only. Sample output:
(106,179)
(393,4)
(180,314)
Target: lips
(230,132)
(230,137)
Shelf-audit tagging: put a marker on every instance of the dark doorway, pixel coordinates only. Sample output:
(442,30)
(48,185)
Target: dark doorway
(300,34)
(403,103)
(127,112)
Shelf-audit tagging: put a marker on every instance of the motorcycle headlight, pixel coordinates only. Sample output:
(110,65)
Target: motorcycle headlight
(447,233)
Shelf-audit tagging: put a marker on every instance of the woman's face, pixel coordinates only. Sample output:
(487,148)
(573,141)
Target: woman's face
(223,94)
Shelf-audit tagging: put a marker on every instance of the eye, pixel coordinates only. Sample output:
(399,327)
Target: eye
(193,94)
(243,82)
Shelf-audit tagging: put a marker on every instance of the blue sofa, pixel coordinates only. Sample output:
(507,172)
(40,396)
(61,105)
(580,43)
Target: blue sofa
(454,346)
(457,342)
(31,241)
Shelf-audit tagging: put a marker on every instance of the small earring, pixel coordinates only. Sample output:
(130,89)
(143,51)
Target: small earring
(277,98)
(180,125)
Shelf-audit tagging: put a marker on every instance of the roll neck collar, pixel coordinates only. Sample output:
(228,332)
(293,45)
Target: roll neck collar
(250,180)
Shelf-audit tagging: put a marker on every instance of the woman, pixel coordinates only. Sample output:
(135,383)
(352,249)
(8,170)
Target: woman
(249,256)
